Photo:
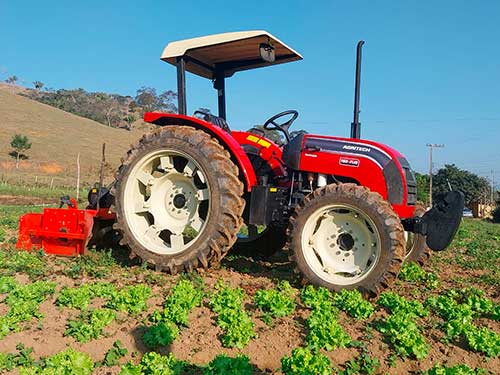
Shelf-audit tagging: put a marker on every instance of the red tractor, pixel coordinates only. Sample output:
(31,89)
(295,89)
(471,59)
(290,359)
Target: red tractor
(346,207)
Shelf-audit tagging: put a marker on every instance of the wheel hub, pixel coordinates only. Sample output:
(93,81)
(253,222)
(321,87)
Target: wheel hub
(179,201)
(345,241)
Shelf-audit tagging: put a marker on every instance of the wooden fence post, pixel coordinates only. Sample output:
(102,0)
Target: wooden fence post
(78,176)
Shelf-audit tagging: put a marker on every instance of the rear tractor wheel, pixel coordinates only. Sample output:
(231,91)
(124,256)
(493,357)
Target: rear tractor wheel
(178,199)
(346,237)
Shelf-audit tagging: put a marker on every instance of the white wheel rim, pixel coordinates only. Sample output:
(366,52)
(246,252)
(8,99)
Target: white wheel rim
(410,241)
(166,201)
(340,244)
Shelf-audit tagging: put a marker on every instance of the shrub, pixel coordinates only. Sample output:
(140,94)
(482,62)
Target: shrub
(496,214)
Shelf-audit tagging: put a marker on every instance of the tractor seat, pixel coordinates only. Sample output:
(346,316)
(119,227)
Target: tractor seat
(292,152)
(213,119)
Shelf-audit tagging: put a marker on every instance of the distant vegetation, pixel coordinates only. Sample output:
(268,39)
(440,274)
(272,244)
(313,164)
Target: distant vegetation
(38,85)
(20,144)
(12,80)
(113,110)
(474,187)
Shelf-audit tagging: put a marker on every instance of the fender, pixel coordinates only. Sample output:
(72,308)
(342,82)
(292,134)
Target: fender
(227,141)
(268,150)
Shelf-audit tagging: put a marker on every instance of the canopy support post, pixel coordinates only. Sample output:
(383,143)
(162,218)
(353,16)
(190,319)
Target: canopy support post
(220,86)
(181,85)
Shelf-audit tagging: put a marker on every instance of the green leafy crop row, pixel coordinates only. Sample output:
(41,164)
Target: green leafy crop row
(90,324)
(458,309)
(353,303)
(80,297)
(276,303)
(324,331)
(227,303)
(153,363)
(181,300)
(303,361)
(23,302)
(132,299)
(404,333)
(412,272)
(68,361)
(454,370)
(31,263)
(401,327)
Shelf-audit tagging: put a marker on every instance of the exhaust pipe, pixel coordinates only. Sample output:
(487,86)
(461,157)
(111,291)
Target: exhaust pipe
(356,125)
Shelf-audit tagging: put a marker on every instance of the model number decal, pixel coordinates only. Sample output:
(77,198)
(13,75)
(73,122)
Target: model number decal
(350,162)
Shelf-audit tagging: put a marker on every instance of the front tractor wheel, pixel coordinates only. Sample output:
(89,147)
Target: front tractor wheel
(346,237)
(416,245)
(178,199)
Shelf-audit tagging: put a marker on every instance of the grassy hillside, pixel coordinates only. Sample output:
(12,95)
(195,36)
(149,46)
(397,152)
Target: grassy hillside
(57,137)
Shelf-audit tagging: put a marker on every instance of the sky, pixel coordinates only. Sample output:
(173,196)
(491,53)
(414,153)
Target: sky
(431,69)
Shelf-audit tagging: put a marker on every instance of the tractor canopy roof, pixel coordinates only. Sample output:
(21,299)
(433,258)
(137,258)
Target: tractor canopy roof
(227,53)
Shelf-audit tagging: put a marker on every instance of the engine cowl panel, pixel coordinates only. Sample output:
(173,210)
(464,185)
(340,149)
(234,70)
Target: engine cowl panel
(374,165)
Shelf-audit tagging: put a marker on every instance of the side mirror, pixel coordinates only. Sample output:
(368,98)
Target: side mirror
(267,52)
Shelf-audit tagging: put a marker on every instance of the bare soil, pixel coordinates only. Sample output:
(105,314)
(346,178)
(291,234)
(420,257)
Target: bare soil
(199,343)
(25,200)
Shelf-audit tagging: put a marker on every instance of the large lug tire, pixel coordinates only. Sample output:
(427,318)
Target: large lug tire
(346,237)
(416,247)
(263,243)
(178,199)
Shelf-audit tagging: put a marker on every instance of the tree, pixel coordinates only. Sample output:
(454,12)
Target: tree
(12,80)
(166,101)
(474,187)
(496,215)
(130,118)
(38,85)
(19,143)
(422,187)
(150,101)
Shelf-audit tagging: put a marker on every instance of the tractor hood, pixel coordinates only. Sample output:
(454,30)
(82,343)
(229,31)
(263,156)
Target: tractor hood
(371,164)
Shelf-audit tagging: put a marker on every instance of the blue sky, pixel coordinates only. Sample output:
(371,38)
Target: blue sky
(431,69)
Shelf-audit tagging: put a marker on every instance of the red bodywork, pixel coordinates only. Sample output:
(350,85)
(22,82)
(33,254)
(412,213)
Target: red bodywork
(60,231)
(268,150)
(364,169)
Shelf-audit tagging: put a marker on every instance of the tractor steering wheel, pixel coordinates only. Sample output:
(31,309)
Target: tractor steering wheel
(284,126)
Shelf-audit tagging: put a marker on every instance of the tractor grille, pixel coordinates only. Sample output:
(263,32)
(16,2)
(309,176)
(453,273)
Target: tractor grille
(411,182)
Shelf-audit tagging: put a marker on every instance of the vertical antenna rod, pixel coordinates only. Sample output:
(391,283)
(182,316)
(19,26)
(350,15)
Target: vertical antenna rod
(431,146)
(356,125)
